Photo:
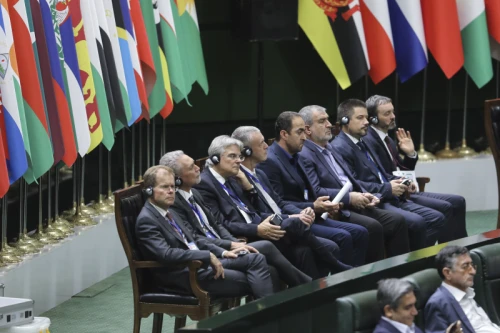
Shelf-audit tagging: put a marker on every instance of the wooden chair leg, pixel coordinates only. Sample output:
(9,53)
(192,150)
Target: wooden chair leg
(157,322)
(179,323)
(137,321)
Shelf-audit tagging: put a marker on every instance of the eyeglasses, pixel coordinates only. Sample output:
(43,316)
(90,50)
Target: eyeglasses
(235,157)
(467,266)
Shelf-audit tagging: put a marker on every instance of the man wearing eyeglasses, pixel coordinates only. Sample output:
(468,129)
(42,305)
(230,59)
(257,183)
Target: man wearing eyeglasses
(454,299)
(227,192)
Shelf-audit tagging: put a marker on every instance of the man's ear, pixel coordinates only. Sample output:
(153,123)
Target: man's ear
(446,272)
(283,134)
(308,130)
(388,311)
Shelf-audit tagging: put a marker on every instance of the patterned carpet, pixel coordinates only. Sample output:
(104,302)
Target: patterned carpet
(106,307)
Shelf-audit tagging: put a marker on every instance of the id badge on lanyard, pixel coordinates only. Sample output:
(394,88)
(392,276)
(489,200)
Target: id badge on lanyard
(306,195)
(192,246)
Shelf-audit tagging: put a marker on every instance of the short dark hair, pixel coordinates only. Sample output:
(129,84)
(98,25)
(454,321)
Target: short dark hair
(284,122)
(151,173)
(374,102)
(448,256)
(346,108)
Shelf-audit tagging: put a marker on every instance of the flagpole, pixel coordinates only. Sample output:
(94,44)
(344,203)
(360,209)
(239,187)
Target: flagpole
(497,87)
(447,152)
(140,149)
(396,93)
(8,255)
(25,243)
(80,218)
(148,145)
(59,222)
(53,232)
(125,183)
(424,155)
(40,235)
(83,207)
(101,206)
(465,151)
(260,85)
(153,145)
(132,168)
(366,87)
(164,137)
(68,214)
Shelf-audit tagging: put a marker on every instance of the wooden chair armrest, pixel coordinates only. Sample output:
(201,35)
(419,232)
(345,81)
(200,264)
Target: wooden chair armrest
(148,264)
(421,181)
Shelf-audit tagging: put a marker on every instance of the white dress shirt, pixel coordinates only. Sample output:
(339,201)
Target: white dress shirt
(403,328)
(266,195)
(478,318)
(186,196)
(221,180)
(160,210)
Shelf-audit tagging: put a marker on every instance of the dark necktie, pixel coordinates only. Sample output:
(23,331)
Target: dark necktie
(363,148)
(241,205)
(207,228)
(395,159)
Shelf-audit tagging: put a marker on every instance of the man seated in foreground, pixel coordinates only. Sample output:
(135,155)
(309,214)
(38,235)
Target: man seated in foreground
(454,299)
(161,236)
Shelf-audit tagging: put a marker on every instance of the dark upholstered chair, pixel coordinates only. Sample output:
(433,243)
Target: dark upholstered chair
(147,300)
(487,279)
(357,313)
(426,282)
(492,128)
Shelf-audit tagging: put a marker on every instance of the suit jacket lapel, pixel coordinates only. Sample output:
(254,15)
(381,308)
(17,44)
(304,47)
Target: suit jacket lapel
(259,193)
(341,163)
(219,189)
(457,308)
(381,143)
(163,222)
(191,214)
(284,160)
(359,153)
(322,159)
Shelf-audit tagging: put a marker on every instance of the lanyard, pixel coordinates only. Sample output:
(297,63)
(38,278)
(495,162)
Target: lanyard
(202,220)
(254,179)
(236,200)
(177,228)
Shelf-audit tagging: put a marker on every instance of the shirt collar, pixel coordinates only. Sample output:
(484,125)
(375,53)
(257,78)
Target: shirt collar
(291,159)
(321,149)
(353,139)
(403,328)
(457,293)
(381,134)
(248,170)
(217,176)
(184,194)
(160,210)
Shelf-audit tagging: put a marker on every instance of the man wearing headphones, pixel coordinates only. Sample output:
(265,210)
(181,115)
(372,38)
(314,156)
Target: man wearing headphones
(191,208)
(382,119)
(161,236)
(229,195)
(424,224)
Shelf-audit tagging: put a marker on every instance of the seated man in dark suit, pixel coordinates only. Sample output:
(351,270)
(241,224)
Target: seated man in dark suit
(383,119)
(190,207)
(230,203)
(454,299)
(162,237)
(396,299)
(327,173)
(424,224)
(286,172)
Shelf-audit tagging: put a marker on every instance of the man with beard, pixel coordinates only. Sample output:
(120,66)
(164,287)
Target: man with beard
(424,223)
(382,119)
(191,208)
(286,173)
(328,173)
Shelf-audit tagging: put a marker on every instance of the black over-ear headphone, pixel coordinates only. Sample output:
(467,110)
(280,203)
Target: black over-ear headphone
(344,120)
(148,191)
(247,151)
(178,181)
(215,159)
(374,120)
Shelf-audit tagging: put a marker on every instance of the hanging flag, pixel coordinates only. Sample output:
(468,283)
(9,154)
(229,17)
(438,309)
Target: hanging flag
(90,27)
(442,34)
(409,37)
(117,56)
(169,105)
(41,157)
(474,31)
(58,83)
(71,71)
(45,76)
(87,80)
(493,20)
(190,43)
(4,172)
(336,33)
(169,16)
(119,101)
(12,101)
(135,86)
(157,98)
(378,33)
